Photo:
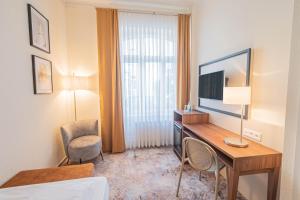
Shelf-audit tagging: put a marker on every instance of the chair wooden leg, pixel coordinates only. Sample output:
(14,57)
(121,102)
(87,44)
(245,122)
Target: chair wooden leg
(217,184)
(200,176)
(180,175)
(68,161)
(80,161)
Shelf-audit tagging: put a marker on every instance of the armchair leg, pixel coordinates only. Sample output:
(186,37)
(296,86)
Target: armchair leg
(80,161)
(101,154)
(200,175)
(68,161)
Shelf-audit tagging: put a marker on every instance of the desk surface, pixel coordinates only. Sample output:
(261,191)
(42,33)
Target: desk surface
(215,136)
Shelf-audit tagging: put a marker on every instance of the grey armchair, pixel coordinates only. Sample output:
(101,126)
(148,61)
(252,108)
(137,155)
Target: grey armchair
(81,140)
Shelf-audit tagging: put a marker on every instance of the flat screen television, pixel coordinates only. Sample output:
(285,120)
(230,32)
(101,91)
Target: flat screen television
(211,85)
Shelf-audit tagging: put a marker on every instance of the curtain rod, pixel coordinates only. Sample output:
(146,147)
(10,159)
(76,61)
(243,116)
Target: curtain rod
(166,13)
(147,12)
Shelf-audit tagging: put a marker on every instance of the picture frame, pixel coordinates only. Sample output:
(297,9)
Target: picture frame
(42,75)
(39,34)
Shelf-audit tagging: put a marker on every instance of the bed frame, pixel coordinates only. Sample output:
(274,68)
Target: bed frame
(50,175)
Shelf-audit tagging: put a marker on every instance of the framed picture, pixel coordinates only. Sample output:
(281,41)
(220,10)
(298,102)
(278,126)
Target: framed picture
(38,29)
(42,75)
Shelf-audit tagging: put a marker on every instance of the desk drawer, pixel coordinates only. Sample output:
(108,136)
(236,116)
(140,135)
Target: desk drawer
(186,133)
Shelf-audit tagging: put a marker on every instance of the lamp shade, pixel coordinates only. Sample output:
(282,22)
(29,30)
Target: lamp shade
(80,83)
(237,95)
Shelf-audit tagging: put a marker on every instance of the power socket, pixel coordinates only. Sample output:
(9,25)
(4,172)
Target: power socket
(254,135)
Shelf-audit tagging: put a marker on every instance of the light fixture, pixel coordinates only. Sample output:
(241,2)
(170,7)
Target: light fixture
(78,83)
(237,96)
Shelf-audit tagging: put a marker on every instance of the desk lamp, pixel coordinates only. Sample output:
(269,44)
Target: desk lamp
(237,96)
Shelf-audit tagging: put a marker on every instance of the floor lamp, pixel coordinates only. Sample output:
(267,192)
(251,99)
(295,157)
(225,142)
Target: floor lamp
(78,83)
(237,96)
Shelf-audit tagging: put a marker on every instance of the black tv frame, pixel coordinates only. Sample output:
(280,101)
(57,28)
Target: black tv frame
(204,90)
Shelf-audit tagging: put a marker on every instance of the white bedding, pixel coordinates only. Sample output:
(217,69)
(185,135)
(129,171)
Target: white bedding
(93,188)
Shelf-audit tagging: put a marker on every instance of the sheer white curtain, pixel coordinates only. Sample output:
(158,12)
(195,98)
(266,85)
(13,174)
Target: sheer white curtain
(148,48)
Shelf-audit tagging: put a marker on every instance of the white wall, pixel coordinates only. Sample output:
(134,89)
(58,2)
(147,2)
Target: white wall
(290,188)
(224,27)
(29,124)
(83,55)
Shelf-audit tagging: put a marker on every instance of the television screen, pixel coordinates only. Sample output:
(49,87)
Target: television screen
(211,85)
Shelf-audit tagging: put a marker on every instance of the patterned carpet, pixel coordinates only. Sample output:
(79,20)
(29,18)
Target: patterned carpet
(152,174)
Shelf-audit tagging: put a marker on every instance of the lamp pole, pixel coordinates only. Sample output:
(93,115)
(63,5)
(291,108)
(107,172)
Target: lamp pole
(74,97)
(242,118)
(75,109)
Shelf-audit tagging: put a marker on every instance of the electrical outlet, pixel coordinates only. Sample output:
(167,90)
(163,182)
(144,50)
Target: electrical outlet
(254,135)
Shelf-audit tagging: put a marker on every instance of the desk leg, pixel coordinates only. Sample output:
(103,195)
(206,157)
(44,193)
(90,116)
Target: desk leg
(273,178)
(232,183)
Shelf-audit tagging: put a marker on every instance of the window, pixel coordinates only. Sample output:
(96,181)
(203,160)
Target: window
(148,52)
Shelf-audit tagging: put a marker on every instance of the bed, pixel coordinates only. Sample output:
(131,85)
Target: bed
(92,188)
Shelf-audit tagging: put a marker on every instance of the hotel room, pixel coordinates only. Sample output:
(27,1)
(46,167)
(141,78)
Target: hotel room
(149,99)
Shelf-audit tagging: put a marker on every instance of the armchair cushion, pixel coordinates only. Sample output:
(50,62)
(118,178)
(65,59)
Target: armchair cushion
(84,148)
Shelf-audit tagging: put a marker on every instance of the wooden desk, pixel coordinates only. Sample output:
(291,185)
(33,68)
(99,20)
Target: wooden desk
(37,176)
(254,159)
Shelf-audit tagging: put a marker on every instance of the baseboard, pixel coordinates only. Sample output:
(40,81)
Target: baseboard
(62,161)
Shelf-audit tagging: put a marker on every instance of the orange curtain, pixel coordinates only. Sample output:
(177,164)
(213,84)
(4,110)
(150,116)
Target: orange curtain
(183,61)
(112,128)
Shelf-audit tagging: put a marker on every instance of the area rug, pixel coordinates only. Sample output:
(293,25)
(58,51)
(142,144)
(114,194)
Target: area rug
(152,174)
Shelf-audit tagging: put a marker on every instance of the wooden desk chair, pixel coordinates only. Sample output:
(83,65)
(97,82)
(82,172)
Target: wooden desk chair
(201,157)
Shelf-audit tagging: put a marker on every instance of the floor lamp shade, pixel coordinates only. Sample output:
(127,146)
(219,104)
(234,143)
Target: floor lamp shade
(79,83)
(75,82)
(237,96)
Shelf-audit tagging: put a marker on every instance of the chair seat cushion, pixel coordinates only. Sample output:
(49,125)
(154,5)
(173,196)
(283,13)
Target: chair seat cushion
(84,148)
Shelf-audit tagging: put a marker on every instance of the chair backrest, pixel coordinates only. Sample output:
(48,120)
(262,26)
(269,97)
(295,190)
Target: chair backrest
(199,154)
(77,129)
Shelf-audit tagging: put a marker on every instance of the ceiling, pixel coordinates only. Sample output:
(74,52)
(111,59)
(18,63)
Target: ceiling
(180,6)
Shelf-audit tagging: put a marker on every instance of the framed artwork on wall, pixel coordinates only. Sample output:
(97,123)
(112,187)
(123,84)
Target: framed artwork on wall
(42,75)
(38,29)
